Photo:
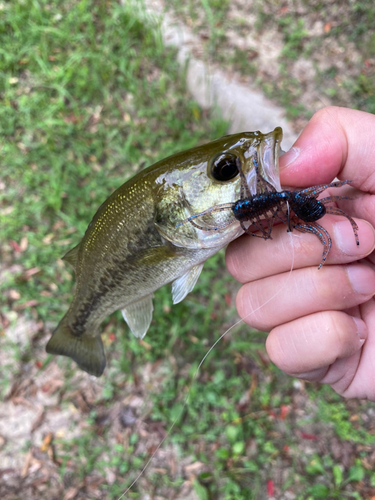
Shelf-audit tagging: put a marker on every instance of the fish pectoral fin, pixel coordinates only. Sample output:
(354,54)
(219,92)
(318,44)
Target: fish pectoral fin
(139,315)
(86,351)
(72,256)
(185,283)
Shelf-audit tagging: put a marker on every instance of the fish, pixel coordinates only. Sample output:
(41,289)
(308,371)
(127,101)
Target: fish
(135,243)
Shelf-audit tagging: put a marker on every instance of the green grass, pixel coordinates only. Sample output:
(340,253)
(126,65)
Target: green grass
(90,97)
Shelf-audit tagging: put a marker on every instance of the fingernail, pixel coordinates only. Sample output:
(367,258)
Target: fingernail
(362,279)
(344,238)
(290,156)
(361,329)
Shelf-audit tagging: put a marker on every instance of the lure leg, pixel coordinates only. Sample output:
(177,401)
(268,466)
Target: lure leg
(218,208)
(271,222)
(266,186)
(337,211)
(244,191)
(316,190)
(217,228)
(257,223)
(331,199)
(321,233)
(266,235)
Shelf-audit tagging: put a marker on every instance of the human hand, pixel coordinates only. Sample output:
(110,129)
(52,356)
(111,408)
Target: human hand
(322,323)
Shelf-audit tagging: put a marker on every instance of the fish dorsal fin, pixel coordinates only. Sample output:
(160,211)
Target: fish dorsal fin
(72,256)
(185,283)
(139,315)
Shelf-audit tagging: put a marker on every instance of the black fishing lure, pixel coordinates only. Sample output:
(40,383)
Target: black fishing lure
(298,209)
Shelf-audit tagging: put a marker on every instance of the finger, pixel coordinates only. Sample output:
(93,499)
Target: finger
(362,384)
(360,204)
(341,373)
(306,347)
(250,259)
(304,292)
(337,142)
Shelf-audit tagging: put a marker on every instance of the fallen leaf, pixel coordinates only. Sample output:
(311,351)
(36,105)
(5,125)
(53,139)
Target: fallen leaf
(71,494)
(145,344)
(194,467)
(26,465)
(61,243)
(284,411)
(23,243)
(6,211)
(46,442)
(254,383)
(26,275)
(14,295)
(327,27)
(38,421)
(47,239)
(39,481)
(58,225)
(193,339)
(19,400)
(270,488)
(25,305)
(15,246)
(311,437)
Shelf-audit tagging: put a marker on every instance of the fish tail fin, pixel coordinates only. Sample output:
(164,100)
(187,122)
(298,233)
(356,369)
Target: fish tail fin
(86,351)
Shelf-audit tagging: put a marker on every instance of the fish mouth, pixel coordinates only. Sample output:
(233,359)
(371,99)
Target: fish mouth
(267,150)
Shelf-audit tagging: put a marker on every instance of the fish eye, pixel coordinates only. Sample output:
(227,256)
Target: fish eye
(224,167)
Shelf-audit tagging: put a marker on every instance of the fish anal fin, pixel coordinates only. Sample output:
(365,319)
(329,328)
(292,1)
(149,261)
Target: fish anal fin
(72,256)
(139,315)
(185,283)
(85,350)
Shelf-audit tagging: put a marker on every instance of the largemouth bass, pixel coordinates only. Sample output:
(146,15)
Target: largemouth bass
(135,243)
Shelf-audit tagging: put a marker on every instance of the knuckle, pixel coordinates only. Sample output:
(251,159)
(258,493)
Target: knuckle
(312,342)
(247,304)
(339,328)
(330,286)
(234,261)
(326,114)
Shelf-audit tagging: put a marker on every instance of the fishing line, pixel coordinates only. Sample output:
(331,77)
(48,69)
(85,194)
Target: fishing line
(201,363)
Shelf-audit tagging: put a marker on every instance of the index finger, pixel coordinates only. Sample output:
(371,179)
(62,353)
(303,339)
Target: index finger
(337,142)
